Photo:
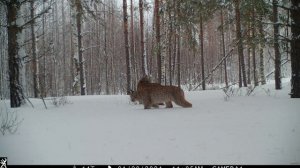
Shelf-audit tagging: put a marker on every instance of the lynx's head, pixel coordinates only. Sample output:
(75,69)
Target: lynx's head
(133,96)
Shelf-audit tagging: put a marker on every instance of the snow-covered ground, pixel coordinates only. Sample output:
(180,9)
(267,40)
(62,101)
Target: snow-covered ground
(263,128)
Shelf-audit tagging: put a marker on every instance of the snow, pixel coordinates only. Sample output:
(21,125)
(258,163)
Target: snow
(262,128)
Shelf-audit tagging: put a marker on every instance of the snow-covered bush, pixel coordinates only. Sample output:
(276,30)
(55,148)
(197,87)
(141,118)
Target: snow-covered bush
(234,90)
(60,101)
(9,121)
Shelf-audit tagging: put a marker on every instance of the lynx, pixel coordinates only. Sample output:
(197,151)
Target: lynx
(152,94)
(133,94)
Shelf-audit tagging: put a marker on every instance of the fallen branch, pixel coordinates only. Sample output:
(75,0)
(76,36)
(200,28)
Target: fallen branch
(215,68)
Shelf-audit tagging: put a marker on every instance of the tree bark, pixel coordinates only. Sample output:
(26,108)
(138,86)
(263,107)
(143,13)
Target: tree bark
(125,19)
(132,47)
(295,49)
(242,70)
(14,61)
(79,11)
(201,52)
(34,54)
(254,48)
(143,52)
(157,36)
(276,46)
(170,44)
(65,88)
(261,52)
(105,53)
(178,56)
(223,48)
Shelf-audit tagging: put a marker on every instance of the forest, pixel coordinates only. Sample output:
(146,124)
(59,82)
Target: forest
(52,48)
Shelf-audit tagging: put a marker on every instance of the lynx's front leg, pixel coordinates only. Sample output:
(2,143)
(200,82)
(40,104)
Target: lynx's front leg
(147,102)
(169,104)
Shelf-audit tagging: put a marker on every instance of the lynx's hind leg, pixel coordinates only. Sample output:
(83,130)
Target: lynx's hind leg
(155,105)
(169,104)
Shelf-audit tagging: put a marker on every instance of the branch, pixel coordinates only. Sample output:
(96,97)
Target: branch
(215,68)
(37,16)
(90,47)
(283,7)
(286,61)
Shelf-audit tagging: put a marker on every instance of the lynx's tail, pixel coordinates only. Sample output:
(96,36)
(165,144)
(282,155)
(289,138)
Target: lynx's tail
(181,100)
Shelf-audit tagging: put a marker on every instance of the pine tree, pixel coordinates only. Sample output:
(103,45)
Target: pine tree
(242,71)
(295,49)
(276,46)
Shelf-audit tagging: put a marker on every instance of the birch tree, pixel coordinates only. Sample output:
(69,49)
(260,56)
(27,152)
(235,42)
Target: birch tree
(15,50)
(143,51)
(35,65)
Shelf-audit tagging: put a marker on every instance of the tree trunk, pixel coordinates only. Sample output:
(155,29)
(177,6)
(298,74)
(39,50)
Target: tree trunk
(43,77)
(254,48)
(201,52)
(276,46)
(249,45)
(170,44)
(105,53)
(157,36)
(223,48)
(125,19)
(242,70)
(249,62)
(261,52)
(143,51)
(56,49)
(34,54)
(65,88)
(14,32)
(79,13)
(295,49)
(132,47)
(178,56)
(72,53)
